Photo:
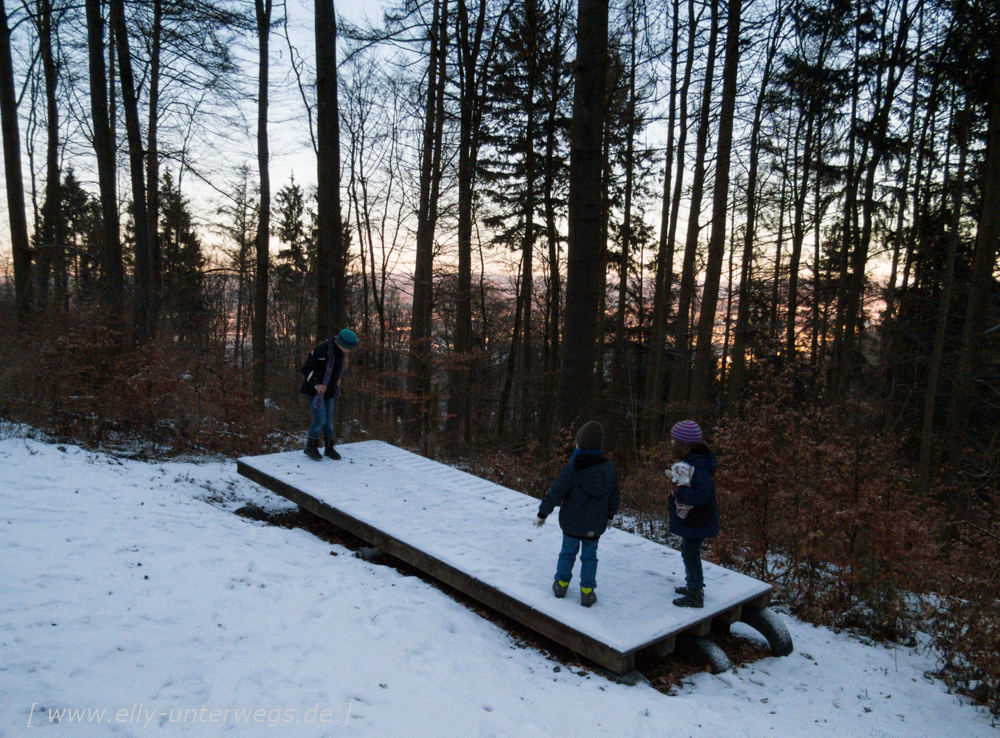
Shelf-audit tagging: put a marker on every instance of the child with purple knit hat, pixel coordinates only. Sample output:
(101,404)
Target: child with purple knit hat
(694,512)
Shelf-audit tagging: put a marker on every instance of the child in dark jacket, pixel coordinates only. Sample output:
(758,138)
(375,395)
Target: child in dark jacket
(321,376)
(694,512)
(587,495)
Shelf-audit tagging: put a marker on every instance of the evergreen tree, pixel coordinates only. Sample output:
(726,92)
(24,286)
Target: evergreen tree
(184,307)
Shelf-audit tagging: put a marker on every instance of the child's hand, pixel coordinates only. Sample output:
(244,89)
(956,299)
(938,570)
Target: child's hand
(683,510)
(539,521)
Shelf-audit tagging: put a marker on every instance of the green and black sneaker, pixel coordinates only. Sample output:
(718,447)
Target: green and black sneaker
(559,589)
(587,596)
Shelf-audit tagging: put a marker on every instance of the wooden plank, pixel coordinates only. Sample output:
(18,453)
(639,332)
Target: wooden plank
(759,602)
(477,537)
(539,622)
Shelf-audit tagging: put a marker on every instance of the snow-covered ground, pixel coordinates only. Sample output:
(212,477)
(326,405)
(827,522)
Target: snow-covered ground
(131,606)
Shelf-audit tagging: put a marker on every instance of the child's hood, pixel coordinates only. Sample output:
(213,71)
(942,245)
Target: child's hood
(595,480)
(701,457)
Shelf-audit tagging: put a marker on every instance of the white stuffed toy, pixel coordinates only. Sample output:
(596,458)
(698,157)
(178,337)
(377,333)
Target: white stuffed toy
(681,473)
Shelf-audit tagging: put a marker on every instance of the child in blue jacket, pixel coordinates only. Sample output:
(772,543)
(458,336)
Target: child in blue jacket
(694,512)
(587,495)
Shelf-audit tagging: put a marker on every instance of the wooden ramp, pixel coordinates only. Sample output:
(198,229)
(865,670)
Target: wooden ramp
(478,537)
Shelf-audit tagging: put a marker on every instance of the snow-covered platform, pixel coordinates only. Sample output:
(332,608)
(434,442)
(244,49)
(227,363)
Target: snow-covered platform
(478,537)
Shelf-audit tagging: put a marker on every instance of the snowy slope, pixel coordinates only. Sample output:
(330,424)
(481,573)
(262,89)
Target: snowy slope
(127,596)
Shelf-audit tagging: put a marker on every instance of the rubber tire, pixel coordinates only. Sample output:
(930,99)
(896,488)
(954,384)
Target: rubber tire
(369,553)
(706,652)
(768,624)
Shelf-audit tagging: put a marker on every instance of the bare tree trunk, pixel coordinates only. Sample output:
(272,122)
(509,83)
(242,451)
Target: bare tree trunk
(468,41)
(738,362)
(528,247)
(800,190)
(508,380)
(774,326)
(902,197)
(331,259)
(551,382)
(48,237)
(141,330)
(419,384)
(586,233)
(153,169)
(664,257)
(892,69)
(625,235)
(983,264)
(671,238)
(12,169)
(679,378)
(928,442)
(703,355)
(112,269)
(259,330)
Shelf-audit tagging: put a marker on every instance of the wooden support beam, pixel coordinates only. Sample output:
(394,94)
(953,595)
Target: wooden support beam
(700,629)
(661,649)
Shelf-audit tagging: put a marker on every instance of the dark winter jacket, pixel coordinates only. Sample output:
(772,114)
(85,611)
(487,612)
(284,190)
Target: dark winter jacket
(314,370)
(587,495)
(703,520)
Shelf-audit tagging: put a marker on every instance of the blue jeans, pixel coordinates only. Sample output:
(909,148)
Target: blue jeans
(691,554)
(323,416)
(588,561)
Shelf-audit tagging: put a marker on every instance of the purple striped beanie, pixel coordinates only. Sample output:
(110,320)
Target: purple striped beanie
(686,432)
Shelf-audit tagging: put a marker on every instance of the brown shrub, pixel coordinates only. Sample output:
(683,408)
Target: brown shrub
(79,380)
(964,615)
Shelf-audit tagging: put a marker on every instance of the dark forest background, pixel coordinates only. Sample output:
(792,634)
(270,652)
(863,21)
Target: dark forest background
(777,217)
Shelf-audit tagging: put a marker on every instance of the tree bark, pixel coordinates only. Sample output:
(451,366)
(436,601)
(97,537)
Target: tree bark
(112,269)
(421,323)
(586,233)
(141,330)
(981,282)
(550,381)
(703,357)
(679,378)
(852,308)
(664,256)
(12,169)
(330,256)
(48,237)
(928,442)
(259,329)
(625,235)
(740,332)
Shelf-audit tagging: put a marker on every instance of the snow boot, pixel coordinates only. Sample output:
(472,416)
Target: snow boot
(587,596)
(312,449)
(694,598)
(559,588)
(683,590)
(330,451)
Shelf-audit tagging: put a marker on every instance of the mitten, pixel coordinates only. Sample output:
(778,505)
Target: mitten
(681,473)
(539,521)
(683,510)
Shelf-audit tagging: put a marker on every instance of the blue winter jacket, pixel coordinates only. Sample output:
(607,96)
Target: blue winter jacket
(703,520)
(587,494)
